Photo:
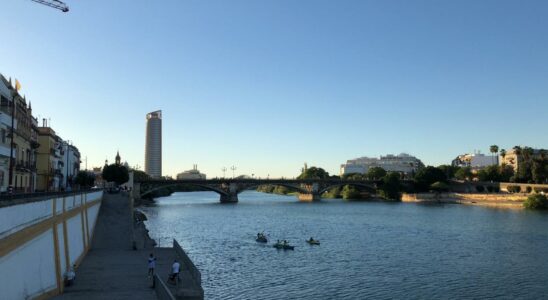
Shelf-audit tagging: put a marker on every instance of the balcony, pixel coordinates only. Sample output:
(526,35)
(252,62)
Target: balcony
(25,166)
(55,152)
(34,144)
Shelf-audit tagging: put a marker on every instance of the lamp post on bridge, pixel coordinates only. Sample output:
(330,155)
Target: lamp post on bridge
(224,171)
(233,168)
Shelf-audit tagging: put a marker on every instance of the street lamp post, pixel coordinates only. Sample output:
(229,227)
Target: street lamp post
(233,168)
(224,171)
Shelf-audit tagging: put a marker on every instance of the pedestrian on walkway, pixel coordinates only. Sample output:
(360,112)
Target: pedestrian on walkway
(175,269)
(151,264)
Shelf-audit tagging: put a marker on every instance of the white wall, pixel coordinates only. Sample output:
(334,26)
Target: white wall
(94,196)
(92,218)
(61,245)
(17,217)
(74,233)
(30,270)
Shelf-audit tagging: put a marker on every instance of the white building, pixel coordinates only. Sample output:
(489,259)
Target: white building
(71,163)
(476,161)
(191,174)
(402,163)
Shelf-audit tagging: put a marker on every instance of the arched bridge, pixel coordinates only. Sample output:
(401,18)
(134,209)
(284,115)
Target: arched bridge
(228,189)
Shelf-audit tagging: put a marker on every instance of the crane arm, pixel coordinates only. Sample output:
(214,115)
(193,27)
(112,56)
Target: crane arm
(54,3)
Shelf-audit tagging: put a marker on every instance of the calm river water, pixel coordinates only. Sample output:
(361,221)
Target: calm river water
(368,250)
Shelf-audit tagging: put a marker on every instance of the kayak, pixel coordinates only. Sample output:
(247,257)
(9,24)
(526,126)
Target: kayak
(313,242)
(262,239)
(284,247)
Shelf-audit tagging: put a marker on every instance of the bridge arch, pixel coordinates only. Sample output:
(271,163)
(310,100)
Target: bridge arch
(369,187)
(256,185)
(204,186)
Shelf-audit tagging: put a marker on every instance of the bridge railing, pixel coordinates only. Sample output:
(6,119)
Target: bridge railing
(162,291)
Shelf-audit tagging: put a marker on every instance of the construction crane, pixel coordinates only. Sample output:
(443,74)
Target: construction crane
(54,3)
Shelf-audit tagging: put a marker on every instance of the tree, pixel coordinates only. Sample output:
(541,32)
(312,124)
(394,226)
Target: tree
(464,173)
(314,173)
(115,173)
(490,173)
(353,176)
(536,201)
(391,186)
(139,175)
(350,192)
(503,153)
(439,187)
(539,170)
(333,193)
(506,172)
(375,173)
(494,149)
(85,179)
(427,176)
(449,170)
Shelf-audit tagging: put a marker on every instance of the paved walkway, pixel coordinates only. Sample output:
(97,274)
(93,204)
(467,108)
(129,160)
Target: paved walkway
(112,269)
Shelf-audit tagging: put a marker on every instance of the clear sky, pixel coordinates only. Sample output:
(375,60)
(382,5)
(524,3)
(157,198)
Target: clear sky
(268,85)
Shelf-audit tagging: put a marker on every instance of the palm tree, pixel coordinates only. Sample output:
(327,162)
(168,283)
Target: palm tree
(494,149)
(542,153)
(503,153)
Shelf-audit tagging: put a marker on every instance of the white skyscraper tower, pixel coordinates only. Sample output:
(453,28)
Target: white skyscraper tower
(153,146)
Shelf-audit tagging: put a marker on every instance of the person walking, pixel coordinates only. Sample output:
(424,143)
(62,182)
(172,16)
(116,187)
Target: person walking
(151,264)
(175,269)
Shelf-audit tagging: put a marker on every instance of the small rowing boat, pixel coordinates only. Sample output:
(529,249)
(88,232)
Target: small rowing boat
(283,246)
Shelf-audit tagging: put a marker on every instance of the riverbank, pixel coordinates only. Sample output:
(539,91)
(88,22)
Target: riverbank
(116,264)
(189,286)
(112,269)
(499,200)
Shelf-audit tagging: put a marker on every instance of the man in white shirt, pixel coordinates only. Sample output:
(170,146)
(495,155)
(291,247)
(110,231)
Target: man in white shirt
(175,269)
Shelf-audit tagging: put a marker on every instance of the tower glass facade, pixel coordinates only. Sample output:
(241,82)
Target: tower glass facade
(153,147)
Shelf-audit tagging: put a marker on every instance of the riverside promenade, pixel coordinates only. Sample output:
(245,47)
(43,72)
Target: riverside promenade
(113,269)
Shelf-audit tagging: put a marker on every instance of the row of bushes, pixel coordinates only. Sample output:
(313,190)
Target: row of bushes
(528,189)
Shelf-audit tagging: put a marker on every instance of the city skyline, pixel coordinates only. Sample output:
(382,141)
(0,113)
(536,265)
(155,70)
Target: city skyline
(258,87)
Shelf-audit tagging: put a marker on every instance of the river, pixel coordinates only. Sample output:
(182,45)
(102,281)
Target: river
(368,249)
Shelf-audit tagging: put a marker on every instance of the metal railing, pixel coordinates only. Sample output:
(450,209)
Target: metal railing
(161,289)
(7,199)
(194,272)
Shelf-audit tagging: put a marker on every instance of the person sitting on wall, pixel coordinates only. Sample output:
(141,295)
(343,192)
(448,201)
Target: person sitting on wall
(70,276)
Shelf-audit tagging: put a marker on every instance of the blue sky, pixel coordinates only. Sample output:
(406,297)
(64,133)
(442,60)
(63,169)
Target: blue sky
(268,85)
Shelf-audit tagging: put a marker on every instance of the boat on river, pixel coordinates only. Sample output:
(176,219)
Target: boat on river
(283,246)
(261,238)
(313,242)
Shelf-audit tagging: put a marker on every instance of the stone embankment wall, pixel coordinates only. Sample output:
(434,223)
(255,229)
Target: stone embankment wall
(40,239)
(482,199)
